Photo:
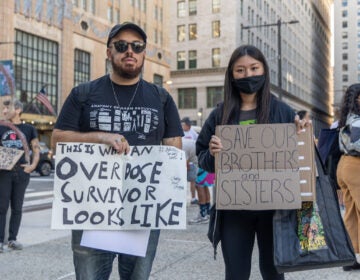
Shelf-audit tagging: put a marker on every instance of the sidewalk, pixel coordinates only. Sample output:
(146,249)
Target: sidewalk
(182,254)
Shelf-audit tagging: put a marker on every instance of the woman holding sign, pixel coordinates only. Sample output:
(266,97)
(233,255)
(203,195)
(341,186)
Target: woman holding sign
(247,100)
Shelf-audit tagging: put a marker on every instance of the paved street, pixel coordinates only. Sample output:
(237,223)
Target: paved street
(182,254)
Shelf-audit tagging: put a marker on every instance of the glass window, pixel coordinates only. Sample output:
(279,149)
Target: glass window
(110,13)
(345,56)
(344,24)
(344,35)
(181,33)
(214,95)
(84,4)
(344,45)
(344,67)
(180,60)
(344,3)
(216,29)
(81,67)
(345,78)
(192,59)
(192,31)
(192,7)
(92,6)
(158,80)
(215,55)
(36,65)
(187,98)
(344,13)
(181,11)
(215,6)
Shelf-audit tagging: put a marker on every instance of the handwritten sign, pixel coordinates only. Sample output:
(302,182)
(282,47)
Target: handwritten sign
(96,188)
(9,157)
(258,167)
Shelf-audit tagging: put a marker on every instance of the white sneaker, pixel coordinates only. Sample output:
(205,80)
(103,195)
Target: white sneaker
(199,220)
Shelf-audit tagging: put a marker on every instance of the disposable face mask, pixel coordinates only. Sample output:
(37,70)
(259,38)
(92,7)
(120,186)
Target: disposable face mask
(249,85)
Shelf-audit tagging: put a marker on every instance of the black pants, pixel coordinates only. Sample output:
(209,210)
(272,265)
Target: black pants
(238,230)
(12,191)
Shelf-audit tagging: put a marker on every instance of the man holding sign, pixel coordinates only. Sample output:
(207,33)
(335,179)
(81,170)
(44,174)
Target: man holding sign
(120,109)
(248,101)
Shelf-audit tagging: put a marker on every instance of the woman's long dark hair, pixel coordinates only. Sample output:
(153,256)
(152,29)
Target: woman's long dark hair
(232,99)
(349,103)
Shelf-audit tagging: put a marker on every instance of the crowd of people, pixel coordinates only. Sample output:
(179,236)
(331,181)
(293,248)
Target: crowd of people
(247,100)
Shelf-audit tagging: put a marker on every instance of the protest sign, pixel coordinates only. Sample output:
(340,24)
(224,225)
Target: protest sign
(96,188)
(258,167)
(9,157)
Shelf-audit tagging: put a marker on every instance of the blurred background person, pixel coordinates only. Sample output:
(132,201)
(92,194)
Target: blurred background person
(188,146)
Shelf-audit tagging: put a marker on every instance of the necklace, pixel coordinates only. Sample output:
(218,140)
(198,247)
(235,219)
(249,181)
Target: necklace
(132,99)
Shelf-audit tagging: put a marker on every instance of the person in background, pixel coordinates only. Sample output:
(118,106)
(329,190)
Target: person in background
(17,135)
(190,133)
(348,175)
(188,146)
(204,180)
(247,100)
(136,114)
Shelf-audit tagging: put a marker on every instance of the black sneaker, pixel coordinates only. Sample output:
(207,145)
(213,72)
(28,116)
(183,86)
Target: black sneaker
(355,266)
(15,245)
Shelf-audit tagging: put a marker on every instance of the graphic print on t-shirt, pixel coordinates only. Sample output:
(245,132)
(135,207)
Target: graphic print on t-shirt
(10,140)
(141,120)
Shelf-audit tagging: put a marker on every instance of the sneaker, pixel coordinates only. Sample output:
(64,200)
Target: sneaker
(194,201)
(199,220)
(355,266)
(15,245)
(1,247)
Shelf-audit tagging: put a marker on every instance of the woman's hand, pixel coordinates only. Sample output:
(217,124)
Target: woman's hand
(215,145)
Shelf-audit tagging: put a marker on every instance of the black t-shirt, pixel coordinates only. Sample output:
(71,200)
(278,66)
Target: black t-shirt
(10,139)
(145,122)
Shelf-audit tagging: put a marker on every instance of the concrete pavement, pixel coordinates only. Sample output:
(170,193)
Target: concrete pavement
(182,254)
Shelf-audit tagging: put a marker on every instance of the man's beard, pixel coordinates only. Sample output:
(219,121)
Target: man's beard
(126,73)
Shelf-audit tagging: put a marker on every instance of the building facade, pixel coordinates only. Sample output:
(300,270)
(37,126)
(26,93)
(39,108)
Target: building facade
(205,32)
(56,45)
(346,46)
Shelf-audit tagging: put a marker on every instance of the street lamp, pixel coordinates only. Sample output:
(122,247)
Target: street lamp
(278,24)
(200,115)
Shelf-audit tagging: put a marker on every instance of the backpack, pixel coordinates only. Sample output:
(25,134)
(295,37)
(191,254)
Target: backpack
(350,136)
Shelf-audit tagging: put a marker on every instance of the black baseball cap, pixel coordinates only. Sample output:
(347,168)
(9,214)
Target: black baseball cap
(123,26)
(186,120)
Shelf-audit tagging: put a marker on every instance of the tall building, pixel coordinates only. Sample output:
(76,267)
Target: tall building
(346,46)
(205,32)
(59,44)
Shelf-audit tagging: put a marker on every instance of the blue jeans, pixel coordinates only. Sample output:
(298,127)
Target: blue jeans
(93,264)
(12,191)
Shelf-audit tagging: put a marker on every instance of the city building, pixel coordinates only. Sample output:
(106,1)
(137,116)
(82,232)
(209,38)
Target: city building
(346,46)
(294,35)
(55,45)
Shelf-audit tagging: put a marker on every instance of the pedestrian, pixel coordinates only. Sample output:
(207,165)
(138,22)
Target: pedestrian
(190,133)
(188,146)
(247,100)
(204,180)
(348,170)
(17,135)
(121,110)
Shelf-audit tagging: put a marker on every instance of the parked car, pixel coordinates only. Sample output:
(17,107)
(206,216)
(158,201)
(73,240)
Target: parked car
(46,161)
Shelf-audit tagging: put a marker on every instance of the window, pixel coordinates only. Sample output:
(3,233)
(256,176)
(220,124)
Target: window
(215,29)
(158,80)
(214,95)
(344,13)
(35,64)
(81,67)
(187,98)
(344,35)
(345,78)
(192,31)
(180,60)
(92,7)
(192,8)
(84,4)
(215,6)
(344,24)
(345,56)
(181,33)
(344,3)
(181,11)
(192,59)
(110,13)
(344,67)
(344,45)
(215,55)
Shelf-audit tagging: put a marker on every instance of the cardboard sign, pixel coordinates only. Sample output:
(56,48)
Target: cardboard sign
(307,167)
(97,189)
(9,157)
(258,167)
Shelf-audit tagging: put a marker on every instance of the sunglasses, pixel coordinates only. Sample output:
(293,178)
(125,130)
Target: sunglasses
(122,46)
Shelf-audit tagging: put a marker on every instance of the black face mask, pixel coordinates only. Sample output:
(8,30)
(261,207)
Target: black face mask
(249,85)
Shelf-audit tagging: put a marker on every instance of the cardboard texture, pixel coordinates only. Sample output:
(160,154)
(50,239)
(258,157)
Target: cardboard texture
(9,157)
(307,165)
(258,167)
